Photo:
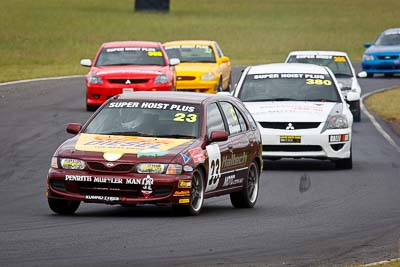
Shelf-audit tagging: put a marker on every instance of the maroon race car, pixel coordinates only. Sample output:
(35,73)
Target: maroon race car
(163,148)
(141,66)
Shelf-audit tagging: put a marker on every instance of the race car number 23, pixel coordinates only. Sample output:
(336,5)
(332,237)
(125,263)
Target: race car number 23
(185,117)
(214,167)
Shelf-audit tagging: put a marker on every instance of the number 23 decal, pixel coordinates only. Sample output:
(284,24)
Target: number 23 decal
(214,167)
(185,117)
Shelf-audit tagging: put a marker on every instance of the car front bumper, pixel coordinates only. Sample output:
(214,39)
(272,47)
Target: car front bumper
(381,66)
(310,143)
(117,189)
(197,85)
(97,94)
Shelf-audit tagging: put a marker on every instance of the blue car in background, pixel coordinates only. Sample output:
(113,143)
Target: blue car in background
(383,55)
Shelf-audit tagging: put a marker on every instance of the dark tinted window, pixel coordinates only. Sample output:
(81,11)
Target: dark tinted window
(215,121)
(147,118)
(391,38)
(231,117)
(288,87)
(130,56)
(191,53)
(337,64)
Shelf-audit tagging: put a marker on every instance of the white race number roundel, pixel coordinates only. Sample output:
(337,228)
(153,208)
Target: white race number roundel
(214,167)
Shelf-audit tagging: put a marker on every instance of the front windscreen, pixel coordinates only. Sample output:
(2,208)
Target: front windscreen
(121,56)
(147,118)
(337,64)
(191,53)
(288,87)
(389,38)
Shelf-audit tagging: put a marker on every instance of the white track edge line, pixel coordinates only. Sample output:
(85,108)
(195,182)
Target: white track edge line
(381,262)
(41,79)
(373,120)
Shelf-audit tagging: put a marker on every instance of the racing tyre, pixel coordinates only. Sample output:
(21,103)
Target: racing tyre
(196,199)
(91,107)
(64,207)
(357,113)
(247,198)
(219,86)
(229,87)
(345,164)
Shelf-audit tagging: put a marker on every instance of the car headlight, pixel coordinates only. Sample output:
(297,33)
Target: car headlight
(72,164)
(94,79)
(162,78)
(159,168)
(367,57)
(336,122)
(208,76)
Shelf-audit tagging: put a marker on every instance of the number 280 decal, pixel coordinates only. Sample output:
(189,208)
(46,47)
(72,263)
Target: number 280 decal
(185,117)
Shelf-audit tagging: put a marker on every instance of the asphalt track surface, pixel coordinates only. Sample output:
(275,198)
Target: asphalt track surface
(308,213)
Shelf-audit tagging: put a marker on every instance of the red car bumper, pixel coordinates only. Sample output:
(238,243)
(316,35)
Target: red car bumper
(117,189)
(97,94)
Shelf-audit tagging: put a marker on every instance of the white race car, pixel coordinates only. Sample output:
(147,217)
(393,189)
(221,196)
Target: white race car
(339,63)
(300,111)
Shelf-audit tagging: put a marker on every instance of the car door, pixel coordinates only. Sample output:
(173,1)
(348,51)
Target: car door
(225,67)
(216,151)
(236,163)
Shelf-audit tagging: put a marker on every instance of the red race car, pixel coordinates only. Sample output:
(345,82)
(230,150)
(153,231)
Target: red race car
(140,66)
(162,148)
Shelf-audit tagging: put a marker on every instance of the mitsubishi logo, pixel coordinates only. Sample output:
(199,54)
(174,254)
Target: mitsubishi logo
(289,126)
(128,82)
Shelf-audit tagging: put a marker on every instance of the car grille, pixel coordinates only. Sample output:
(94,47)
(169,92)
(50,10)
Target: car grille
(296,125)
(119,168)
(391,67)
(292,148)
(185,78)
(388,57)
(131,81)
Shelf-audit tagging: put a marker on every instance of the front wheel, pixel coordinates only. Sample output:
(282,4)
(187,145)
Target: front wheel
(219,86)
(345,164)
(62,206)
(247,198)
(357,111)
(196,196)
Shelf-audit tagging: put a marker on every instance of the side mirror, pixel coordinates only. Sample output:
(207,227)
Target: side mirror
(86,62)
(362,74)
(353,96)
(174,61)
(366,45)
(225,59)
(74,128)
(218,136)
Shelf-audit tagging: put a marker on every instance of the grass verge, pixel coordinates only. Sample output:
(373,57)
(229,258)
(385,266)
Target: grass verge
(386,104)
(48,38)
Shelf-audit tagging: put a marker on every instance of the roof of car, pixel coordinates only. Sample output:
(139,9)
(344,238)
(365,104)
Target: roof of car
(287,68)
(392,31)
(189,42)
(131,44)
(318,53)
(175,96)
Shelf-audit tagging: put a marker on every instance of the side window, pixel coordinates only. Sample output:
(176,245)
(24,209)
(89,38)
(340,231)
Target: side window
(253,124)
(231,117)
(242,122)
(219,51)
(215,122)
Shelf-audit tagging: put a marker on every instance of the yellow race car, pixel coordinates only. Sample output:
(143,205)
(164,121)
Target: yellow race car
(203,67)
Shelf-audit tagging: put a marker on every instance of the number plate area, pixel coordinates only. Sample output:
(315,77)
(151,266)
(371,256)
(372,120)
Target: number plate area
(290,139)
